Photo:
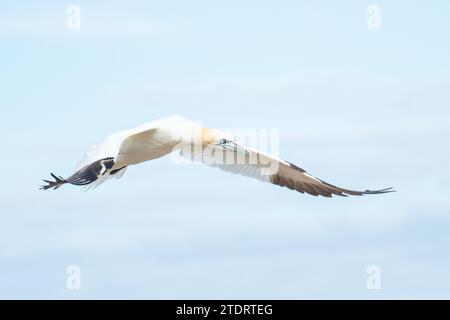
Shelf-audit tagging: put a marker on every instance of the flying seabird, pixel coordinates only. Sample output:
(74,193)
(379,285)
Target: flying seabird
(217,148)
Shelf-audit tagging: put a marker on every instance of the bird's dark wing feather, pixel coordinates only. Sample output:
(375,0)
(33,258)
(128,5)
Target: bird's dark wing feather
(84,176)
(254,164)
(295,178)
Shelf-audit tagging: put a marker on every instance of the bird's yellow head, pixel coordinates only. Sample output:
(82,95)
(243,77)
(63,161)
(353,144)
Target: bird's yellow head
(219,138)
(214,136)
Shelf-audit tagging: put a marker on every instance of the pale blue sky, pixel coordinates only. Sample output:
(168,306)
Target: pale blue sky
(358,108)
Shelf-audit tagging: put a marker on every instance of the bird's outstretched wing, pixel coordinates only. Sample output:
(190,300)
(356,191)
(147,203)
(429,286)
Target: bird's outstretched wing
(90,173)
(83,177)
(268,168)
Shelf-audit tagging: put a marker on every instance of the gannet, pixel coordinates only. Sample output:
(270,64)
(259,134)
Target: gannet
(214,147)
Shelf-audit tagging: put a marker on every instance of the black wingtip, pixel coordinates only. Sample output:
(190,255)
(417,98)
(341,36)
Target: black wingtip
(59,181)
(381,191)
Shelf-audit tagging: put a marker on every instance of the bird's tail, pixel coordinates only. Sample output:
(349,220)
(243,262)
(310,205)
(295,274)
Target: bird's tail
(59,181)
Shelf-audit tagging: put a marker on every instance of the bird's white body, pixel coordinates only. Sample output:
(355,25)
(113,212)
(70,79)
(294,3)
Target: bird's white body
(149,141)
(158,138)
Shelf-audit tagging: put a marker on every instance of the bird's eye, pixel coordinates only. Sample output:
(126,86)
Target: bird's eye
(223,141)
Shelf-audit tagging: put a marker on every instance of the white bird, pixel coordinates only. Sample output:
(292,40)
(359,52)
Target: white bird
(158,138)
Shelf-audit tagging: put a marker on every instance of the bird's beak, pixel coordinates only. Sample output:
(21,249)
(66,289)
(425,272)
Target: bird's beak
(233,146)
